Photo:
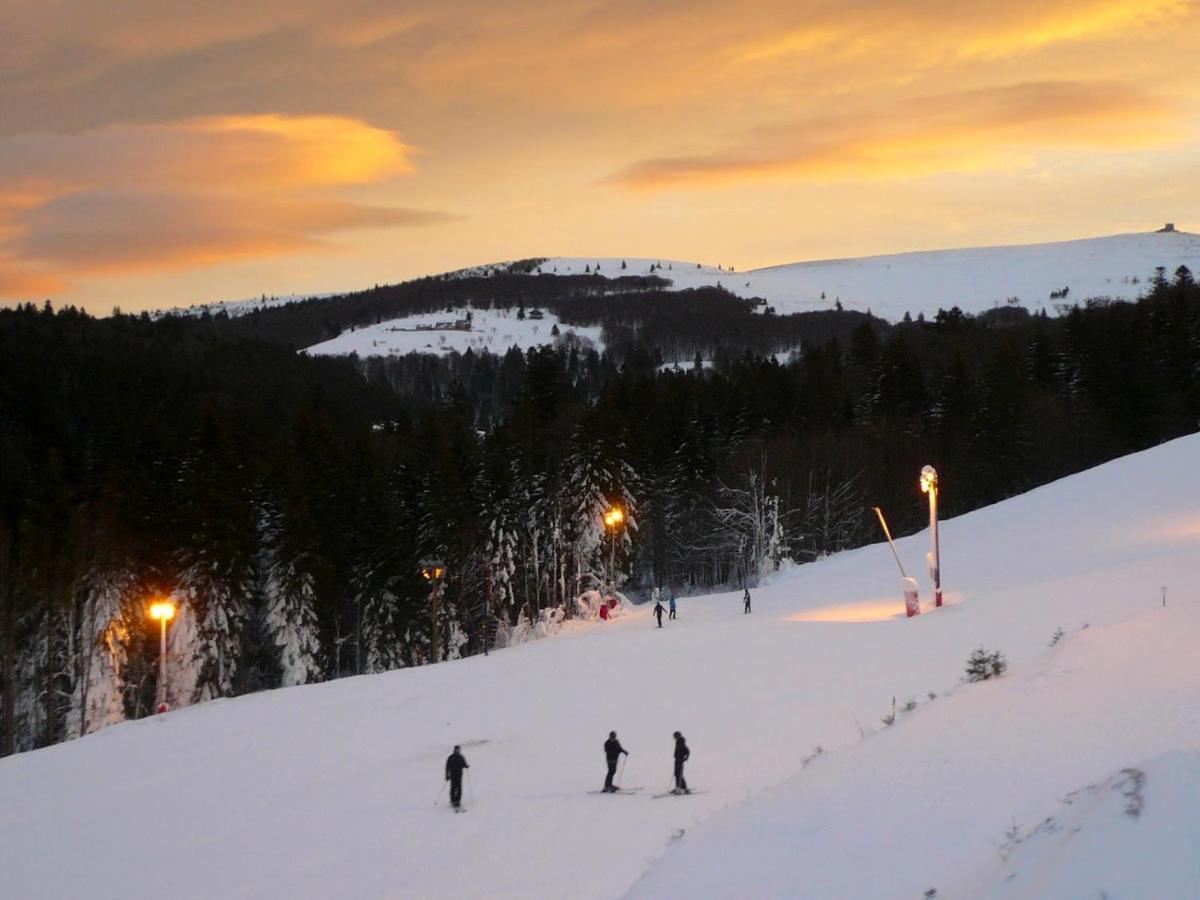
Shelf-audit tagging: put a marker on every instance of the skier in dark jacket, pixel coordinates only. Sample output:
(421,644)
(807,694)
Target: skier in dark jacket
(658,611)
(612,752)
(455,763)
(681,756)
(746,601)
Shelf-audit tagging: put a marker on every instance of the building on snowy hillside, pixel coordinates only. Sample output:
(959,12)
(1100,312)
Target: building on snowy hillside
(1170,226)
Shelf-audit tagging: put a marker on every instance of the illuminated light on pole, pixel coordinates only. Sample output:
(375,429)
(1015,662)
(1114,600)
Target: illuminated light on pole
(163,611)
(613,518)
(929,484)
(432,571)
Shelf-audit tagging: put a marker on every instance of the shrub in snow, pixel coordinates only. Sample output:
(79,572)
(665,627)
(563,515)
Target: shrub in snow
(1056,637)
(984,664)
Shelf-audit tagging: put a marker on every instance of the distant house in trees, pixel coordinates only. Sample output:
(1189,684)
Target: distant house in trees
(536,314)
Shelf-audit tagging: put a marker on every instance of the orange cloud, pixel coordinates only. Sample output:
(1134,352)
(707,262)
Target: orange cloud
(195,192)
(1052,24)
(966,131)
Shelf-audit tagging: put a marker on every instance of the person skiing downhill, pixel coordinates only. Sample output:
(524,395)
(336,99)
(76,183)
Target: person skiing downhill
(681,756)
(612,752)
(455,763)
(746,601)
(672,604)
(658,611)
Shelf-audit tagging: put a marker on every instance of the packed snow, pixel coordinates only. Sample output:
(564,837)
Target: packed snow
(974,279)
(493,330)
(1077,772)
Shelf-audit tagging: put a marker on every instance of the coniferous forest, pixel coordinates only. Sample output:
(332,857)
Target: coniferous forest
(287,502)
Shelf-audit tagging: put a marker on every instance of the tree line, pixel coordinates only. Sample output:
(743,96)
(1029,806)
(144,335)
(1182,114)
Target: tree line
(287,502)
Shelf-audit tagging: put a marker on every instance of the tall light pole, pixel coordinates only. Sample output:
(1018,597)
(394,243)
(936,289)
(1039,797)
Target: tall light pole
(164,611)
(432,571)
(613,518)
(929,484)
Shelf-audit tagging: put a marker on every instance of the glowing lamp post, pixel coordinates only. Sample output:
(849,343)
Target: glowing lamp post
(613,519)
(164,612)
(432,570)
(929,484)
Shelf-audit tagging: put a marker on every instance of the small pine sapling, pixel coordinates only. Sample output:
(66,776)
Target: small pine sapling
(984,664)
(1056,637)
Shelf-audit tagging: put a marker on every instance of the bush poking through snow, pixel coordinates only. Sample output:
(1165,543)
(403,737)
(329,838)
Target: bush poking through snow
(1056,637)
(816,751)
(984,664)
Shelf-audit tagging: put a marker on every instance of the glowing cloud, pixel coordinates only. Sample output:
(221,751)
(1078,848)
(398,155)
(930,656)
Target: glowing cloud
(196,192)
(967,131)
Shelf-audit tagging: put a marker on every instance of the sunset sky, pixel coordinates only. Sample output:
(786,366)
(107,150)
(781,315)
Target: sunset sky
(173,152)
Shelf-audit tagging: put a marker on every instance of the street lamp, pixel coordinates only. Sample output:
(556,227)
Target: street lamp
(432,571)
(164,611)
(929,484)
(613,518)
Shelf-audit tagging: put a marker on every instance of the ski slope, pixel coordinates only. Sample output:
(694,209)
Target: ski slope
(329,790)
(974,279)
(492,330)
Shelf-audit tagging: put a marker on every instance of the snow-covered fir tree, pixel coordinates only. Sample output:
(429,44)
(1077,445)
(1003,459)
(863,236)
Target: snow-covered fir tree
(98,699)
(289,602)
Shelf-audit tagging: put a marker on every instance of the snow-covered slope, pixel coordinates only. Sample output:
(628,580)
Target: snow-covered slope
(235,308)
(974,280)
(494,330)
(329,790)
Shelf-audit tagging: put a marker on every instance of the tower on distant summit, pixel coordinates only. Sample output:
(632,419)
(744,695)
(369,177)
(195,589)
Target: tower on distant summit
(1170,226)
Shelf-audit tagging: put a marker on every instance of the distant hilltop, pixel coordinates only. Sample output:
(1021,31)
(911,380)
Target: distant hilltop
(975,279)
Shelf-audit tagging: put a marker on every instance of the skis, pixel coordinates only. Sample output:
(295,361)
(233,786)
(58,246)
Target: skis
(676,794)
(624,790)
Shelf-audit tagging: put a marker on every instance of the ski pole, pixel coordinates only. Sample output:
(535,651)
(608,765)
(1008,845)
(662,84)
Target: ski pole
(621,774)
(470,787)
(439,796)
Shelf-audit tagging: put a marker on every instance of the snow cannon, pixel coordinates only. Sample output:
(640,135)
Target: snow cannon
(912,603)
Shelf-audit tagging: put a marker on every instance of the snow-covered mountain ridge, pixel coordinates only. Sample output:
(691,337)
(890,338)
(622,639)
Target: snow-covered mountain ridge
(330,789)
(973,279)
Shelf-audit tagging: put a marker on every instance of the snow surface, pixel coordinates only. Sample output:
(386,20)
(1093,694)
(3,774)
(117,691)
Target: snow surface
(973,279)
(235,308)
(329,790)
(494,330)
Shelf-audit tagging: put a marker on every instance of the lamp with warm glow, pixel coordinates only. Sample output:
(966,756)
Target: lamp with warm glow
(929,485)
(162,611)
(612,519)
(432,570)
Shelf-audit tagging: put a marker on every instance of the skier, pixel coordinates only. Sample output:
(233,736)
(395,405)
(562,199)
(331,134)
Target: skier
(455,763)
(681,756)
(746,601)
(612,752)
(658,611)
(672,602)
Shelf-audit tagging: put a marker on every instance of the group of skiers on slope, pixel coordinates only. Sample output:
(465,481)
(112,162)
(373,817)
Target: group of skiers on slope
(613,751)
(658,607)
(456,762)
